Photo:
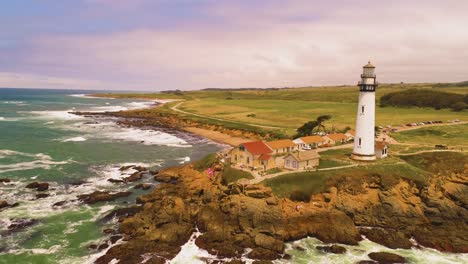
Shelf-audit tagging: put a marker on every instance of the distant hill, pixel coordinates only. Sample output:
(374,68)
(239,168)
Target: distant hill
(426,98)
(458,84)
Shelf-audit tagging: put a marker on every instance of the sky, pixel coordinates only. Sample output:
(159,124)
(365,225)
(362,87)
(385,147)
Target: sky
(192,44)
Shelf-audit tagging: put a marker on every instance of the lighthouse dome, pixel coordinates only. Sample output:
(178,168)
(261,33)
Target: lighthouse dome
(369,65)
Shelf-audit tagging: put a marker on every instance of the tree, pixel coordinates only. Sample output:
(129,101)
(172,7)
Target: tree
(321,119)
(459,106)
(306,129)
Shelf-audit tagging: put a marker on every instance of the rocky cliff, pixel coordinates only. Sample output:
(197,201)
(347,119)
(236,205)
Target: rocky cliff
(236,217)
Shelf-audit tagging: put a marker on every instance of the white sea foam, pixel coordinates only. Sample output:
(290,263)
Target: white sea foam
(89,96)
(74,139)
(147,137)
(114,108)
(114,172)
(63,115)
(41,161)
(184,160)
(357,253)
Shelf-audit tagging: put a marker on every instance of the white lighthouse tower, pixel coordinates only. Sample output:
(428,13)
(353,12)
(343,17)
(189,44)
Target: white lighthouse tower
(365,120)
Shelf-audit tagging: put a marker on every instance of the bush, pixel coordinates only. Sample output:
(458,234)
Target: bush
(206,162)
(459,106)
(299,196)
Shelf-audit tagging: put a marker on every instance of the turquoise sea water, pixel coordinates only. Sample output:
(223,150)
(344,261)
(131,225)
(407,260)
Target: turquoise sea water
(41,141)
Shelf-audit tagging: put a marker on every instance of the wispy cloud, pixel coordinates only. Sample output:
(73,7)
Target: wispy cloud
(260,44)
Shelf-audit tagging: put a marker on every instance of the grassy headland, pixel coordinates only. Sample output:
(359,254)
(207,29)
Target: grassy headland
(253,110)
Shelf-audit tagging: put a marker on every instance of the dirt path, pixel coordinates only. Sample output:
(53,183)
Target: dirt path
(176,109)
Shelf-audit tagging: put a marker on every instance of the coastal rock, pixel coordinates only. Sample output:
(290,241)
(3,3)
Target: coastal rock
(387,237)
(42,195)
(78,183)
(387,258)
(230,219)
(124,168)
(143,186)
(120,212)
(113,239)
(99,196)
(39,186)
(18,225)
(335,249)
(433,213)
(4,204)
(4,180)
(134,177)
(58,204)
(115,180)
(139,168)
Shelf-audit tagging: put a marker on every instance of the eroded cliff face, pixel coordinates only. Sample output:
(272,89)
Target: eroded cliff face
(231,218)
(236,217)
(435,214)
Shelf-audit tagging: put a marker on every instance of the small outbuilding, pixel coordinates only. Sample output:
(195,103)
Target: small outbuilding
(282,146)
(332,139)
(302,160)
(310,141)
(381,149)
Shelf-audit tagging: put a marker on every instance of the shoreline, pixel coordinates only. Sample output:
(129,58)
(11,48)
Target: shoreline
(211,132)
(332,204)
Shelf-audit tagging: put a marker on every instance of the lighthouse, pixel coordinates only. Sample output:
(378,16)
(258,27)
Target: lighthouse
(365,119)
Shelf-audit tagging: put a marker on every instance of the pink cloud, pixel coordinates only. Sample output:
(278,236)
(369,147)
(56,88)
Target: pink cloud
(408,41)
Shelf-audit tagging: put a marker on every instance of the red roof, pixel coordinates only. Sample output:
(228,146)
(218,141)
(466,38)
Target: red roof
(257,147)
(265,157)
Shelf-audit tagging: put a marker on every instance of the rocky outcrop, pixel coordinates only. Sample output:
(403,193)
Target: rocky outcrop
(4,180)
(39,186)
(231,218)
(99,196)
(18,225)
(4,204)
(386,258)
(392,212)
(335,249)
(143,186)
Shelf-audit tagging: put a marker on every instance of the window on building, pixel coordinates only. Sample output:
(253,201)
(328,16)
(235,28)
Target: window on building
(241,148)
(248,160)
(287,163)
(362,109)
(294,164)
(360,141)
(235,157)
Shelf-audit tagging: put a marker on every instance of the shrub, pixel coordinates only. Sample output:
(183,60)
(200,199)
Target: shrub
(206,162)
(299,196)
(459,106)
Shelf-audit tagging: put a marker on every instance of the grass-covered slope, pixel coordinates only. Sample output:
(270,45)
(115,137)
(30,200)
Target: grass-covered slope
(417,168)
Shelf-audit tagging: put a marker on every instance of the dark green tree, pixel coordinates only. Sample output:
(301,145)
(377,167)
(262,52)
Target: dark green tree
(306,129)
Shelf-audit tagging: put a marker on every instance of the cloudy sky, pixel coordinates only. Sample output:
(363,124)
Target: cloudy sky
(193,44)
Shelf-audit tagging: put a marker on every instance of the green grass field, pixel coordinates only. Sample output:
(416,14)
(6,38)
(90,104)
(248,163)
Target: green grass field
(453,136)
(288,109)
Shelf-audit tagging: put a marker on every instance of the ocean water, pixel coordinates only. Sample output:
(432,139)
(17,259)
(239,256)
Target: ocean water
(41,141)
